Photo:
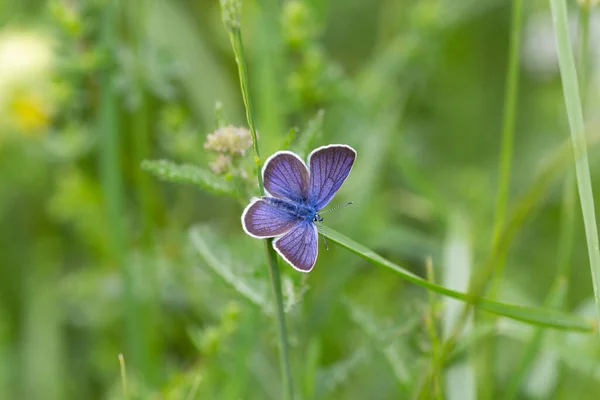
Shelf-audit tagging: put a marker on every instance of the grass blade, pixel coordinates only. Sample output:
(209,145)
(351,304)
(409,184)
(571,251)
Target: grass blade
(111,177)
(534,316)
(575,116)
(487,348)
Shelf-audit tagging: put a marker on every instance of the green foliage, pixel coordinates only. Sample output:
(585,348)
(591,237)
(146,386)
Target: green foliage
(114,285)
(189,174)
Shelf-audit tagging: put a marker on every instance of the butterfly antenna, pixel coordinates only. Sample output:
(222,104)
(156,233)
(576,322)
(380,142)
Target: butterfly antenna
(335,208)
(323,236)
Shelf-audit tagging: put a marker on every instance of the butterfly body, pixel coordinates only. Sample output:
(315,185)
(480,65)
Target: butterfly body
(295,193)
(301,211)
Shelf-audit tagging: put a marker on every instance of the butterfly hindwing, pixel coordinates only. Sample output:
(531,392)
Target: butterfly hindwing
(299,247)
(329,167)
(263,220)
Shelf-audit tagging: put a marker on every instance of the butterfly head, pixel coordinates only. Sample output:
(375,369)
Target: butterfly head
(317,218)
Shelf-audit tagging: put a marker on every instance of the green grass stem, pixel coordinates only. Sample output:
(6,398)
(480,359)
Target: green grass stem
(112,185)
(530,315)
(486,350)
(235,36)
(508,127)
(577,127)
(140,145)
(231,18)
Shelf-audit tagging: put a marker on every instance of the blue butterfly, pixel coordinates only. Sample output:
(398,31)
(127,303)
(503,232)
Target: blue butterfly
(295,195)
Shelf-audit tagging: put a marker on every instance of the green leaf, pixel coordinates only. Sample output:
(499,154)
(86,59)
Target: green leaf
(232,270)
(534,316)
(185,173)
(570,85)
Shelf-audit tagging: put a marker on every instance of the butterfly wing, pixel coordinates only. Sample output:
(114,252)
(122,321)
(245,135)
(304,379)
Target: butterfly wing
(285,176)
(329,168)
(299,247)
(262,220)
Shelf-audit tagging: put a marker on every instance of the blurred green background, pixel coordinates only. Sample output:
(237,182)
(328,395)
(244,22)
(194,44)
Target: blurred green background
(99,258)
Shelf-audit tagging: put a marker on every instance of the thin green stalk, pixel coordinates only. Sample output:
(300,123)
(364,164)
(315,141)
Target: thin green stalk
(141,151)
(508,129)
(575,116)
(235,36)
(231,17)
(485,369)
(141,139)
(112,185)
(288,390)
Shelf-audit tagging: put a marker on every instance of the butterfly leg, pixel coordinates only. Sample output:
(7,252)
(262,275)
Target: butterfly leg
(323,236)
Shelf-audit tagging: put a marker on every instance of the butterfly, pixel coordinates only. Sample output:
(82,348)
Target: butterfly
(295,193)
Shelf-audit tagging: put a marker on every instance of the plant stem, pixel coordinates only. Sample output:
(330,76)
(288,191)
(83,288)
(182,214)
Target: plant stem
(281,327)
(508,130)
(110,173)
(148,307)
(486,371)
(235,36)
(575,116)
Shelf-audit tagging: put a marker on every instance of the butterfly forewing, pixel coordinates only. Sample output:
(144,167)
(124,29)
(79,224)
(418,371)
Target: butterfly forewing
(263,220)
(329,168)
(285,176)
(299,247)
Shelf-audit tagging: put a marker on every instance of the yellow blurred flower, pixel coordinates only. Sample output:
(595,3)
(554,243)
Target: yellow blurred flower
(26,61)
(31,115)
